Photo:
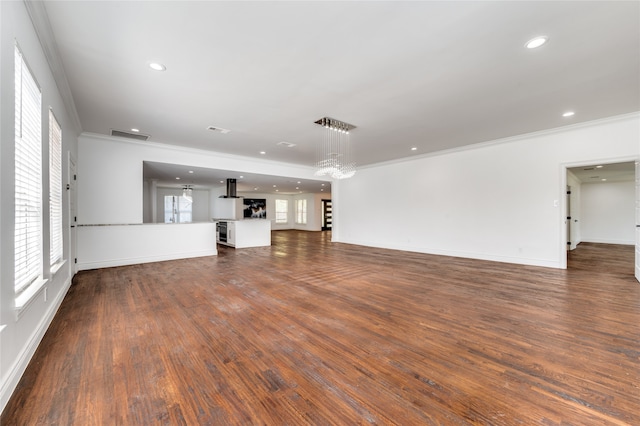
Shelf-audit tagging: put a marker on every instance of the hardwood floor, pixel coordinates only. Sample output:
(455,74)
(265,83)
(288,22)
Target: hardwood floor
(313,332)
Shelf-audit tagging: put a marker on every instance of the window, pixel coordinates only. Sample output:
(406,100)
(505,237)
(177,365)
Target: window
(177,209)
(282,211)
(55,189)
(301,211)
(28,177)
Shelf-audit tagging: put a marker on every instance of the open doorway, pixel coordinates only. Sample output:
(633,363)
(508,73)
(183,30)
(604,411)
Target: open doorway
(600,207)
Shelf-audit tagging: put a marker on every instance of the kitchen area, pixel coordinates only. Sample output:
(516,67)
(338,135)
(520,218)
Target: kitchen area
(241,222)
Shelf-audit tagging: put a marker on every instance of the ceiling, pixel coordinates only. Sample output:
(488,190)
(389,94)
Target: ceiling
(598,173)
(201,178)
(424,75)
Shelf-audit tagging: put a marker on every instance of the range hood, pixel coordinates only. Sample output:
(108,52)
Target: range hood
(231,189)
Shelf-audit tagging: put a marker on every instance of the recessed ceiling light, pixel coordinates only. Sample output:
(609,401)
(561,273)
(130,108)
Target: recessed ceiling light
(277,190)
(568,114)
(156,66)
(255,189)
(604,180)
(135,130)
(177,177)
(191,171)
(274,186)
(297,187)
(262,152)
(221,181)
(298,181)
(599,167)
(241,177)
(322,184)
(414,148)
(536,42)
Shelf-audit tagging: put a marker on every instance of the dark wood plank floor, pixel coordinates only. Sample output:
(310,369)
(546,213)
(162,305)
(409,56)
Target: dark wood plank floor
(313,332)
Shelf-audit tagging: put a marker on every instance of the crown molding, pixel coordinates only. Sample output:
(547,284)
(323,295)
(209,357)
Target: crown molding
(40,20)
(556,130)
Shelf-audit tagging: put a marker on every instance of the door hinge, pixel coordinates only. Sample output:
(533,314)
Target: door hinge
(75,177)
(75,260)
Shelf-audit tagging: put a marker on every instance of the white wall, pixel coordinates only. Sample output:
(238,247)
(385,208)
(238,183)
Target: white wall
(21,330)
(314,211)
(106,246)
(500,201)
(106,197)
(271,208)
(608,212)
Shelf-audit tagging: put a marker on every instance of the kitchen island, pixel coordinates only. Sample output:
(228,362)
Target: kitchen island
(244,233)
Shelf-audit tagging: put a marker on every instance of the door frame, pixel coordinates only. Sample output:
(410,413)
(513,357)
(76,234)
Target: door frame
(563,210)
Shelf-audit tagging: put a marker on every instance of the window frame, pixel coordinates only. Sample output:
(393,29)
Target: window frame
(301,211)
(28,226)
(56,242)
(282,216)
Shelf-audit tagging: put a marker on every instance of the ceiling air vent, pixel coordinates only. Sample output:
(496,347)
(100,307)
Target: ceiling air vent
(218,129)
(286,144)
(123,134)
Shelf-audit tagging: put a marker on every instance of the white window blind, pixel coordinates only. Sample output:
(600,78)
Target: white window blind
(28,177)
(301,211)
(55,189)
(282,207)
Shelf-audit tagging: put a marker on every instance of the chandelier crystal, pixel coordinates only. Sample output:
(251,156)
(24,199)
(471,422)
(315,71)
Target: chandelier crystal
(334,156)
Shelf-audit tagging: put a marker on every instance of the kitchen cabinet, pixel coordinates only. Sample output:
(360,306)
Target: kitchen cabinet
(244,233)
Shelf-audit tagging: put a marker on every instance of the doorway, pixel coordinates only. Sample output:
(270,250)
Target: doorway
(600,205)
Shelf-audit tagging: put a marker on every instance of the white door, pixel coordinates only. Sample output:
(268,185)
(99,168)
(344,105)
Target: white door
(73,218)
(637,221)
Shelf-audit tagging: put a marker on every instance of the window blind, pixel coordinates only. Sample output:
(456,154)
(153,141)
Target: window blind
(281,211)
(301,211)
(55,189)
(28,176)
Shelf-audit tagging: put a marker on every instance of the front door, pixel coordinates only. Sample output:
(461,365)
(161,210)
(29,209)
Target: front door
(327,216)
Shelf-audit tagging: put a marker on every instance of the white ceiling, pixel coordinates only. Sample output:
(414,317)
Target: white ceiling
(430,75)
(201,178)
(598,173)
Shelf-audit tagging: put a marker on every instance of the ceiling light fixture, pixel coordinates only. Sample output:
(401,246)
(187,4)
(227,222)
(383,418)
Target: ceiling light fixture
(187,192)
(262,152)
(333,153)
(135,130)
(599,167)
(414,148)
(568,114)
(156,66)
(536,42)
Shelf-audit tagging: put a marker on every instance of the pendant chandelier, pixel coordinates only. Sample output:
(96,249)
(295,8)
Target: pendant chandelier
(187,192)
(334,153)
